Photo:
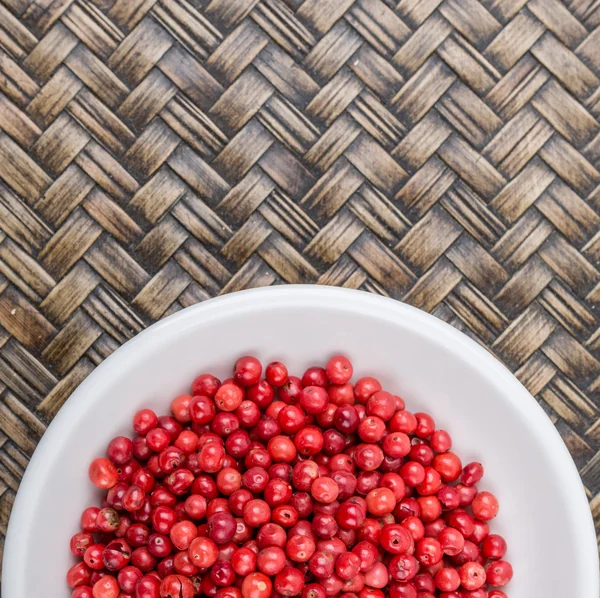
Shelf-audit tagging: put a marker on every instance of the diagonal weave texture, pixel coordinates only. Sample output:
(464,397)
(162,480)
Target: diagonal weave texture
(154,154)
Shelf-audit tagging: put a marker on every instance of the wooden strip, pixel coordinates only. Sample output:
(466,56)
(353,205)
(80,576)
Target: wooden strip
(589,50)
(64,195)
(523,287)
(111,217)
(422,141)
(198,175)
(472,20)
(96,76)
(565,114)
(525,335)
(162,241)
(194,127)
(243,151)
(332,143)
(54,96)
(284,27)
(201,221)
(469,64)
(69,293)
(140,51)
(155,198)
(514,41)
(322,17)
(469,115)
(424,41)
(572,216)
(161,291)
(376,120)
(128,13)
(432,288)
(285,75)
(93,28)
(236,52)
(518,195)
(517,87)
(569,164)
(27,268)
(15,82)
(20,172)
(557,18)
(20,223)
(378,25)
(428,239)
(147,99)
(425,187)
(227,13)
(473,214)
(376,72)
(375,164)
(190,77)
(520,242)
(416,11)
(286,171)
(335,97)
(186,23)
(246,196)
(100,166)
(286,261)
(242,100)
(152,148)
(60,143)
(334,238)
(71,343)
(565,66)
(422,91)
(517,142)
(116,266)
(471,167)
(65,387)
(569,264)
(69,243)
(381,264)
(101,122)
(568,310)
(332,190)
(17,124)
(536,373)
(22,320)
(570,357)
(333,51)
(288,124)
(28,366)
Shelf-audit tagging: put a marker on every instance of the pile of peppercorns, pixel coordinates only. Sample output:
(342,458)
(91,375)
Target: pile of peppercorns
(286,486)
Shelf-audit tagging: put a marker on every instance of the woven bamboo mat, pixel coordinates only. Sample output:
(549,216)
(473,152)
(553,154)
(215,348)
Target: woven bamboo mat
(154,154)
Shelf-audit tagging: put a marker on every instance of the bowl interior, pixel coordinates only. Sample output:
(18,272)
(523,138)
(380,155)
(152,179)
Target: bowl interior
(543,515)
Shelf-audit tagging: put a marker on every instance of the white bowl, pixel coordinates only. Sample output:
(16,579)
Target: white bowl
(544,514)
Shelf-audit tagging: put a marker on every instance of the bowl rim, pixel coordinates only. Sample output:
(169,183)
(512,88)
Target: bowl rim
(331,297)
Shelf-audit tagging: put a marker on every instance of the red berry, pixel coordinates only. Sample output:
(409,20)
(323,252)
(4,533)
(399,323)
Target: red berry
(499,573)
(246,372)
(485,506)
(339,370)
(103,473)
(256,585)
(472,576)
(276,374)
(176,586)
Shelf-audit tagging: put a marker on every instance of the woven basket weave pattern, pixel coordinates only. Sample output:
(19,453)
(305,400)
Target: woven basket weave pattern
(155,153)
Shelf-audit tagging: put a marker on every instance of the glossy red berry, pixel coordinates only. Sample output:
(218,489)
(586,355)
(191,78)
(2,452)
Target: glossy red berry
(339,370)
(103,473)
